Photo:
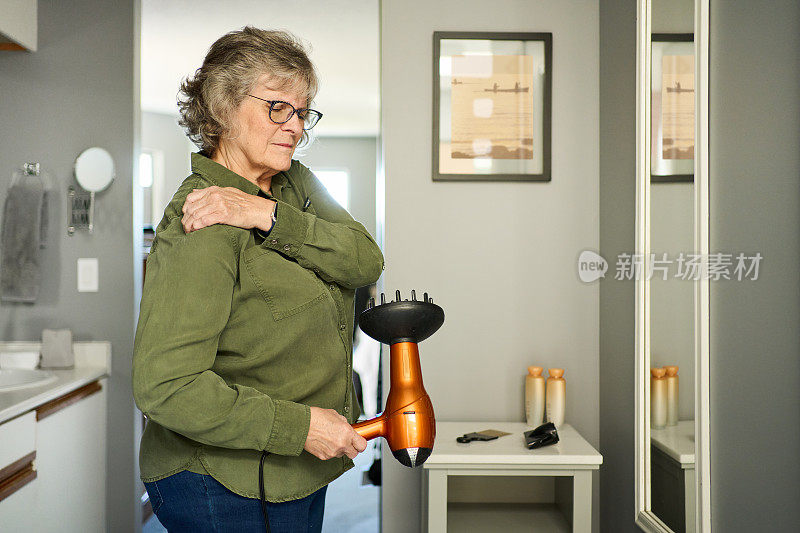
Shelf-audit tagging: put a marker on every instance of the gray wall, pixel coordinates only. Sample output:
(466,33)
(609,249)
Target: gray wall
(501,258)
(672,300)
(672,16)
(161,132)
(77,91)
(358,156)
(617,234)
(755,207)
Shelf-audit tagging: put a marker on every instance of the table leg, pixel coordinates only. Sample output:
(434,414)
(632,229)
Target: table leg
(582,502)
(690,501)
(437,501)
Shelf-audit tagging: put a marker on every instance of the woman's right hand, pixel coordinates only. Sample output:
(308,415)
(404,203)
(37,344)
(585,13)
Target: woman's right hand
(330,435)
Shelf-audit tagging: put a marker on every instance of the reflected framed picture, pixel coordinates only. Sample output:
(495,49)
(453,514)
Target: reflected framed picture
(672,108)
(492,106)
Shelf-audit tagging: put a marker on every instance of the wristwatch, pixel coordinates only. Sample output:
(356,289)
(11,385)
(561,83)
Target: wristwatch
(274,214)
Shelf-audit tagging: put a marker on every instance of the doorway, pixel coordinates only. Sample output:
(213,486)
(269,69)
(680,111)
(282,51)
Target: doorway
(343,153)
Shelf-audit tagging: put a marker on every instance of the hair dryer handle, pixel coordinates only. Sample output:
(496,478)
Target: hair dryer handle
(370,429)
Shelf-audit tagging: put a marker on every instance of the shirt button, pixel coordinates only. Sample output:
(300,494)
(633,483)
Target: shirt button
(274,241)
(346,409)
(333,287)
(342,327)
(286,247)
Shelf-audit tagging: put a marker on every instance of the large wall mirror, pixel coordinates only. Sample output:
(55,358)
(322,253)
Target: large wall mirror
(672,485)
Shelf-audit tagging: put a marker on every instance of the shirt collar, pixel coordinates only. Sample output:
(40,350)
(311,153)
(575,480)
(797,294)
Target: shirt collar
(224,177)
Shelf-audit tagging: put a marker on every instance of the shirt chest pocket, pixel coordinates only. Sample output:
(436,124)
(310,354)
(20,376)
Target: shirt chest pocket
(287,287)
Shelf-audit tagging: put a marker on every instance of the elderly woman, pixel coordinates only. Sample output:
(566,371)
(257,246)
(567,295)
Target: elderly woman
(243,354)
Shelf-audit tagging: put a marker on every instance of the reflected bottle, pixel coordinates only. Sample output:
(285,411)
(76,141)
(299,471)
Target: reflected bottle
(658,398)
(556,400)
(672,395)
(534,397)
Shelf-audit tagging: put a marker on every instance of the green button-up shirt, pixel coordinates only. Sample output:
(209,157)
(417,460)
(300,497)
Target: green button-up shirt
(238,336)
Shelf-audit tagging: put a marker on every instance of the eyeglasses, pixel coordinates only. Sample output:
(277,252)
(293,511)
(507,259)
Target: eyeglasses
(281,112)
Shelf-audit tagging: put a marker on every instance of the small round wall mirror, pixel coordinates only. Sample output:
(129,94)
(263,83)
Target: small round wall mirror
(94,169)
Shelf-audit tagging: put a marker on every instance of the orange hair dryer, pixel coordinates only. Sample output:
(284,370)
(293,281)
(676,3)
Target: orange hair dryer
(407,423)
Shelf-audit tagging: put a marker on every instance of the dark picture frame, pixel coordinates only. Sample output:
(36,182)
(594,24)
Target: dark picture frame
(492,106)
(678,168)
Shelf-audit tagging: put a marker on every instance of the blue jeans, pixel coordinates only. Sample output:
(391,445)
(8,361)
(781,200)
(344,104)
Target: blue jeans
(198,503)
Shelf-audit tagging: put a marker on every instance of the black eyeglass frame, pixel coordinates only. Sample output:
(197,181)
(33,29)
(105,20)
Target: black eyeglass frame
(299,112)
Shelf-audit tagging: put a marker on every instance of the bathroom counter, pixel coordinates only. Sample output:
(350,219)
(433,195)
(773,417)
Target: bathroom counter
(53,445)
(92,361)
(676,441)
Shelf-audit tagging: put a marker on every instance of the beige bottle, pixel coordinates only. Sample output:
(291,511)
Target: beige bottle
(658,398)
(534,397)
(556,396)
(672,395)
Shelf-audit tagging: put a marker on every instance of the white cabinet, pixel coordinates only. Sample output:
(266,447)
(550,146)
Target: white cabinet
(68,494)
(17,453)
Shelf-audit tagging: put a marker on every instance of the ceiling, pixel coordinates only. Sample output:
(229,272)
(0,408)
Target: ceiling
(342,34)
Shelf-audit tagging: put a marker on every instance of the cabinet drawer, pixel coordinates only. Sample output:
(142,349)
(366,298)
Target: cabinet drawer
(17,452)
(17,438)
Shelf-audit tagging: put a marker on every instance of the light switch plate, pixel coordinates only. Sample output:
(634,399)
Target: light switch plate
(88,274)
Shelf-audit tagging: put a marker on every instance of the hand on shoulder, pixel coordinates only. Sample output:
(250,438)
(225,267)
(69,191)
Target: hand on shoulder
(226,205)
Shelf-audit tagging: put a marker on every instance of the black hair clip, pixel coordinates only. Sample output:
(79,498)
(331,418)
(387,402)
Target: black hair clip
(541,436)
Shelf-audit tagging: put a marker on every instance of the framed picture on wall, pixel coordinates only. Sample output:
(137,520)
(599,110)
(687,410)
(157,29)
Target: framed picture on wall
(672,108)
(492,106)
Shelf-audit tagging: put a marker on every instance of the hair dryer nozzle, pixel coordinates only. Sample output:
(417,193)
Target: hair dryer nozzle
(412,457)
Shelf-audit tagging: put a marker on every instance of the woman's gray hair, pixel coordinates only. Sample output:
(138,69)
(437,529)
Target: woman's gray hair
(232,66)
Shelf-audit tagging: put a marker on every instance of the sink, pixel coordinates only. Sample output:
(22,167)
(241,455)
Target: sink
(18,378)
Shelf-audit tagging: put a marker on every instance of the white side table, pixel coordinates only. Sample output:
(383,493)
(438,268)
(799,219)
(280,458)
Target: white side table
(571,457)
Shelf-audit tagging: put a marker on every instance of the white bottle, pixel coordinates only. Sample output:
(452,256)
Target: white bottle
(534,397)
(556,394)
(658,398)
(672,395)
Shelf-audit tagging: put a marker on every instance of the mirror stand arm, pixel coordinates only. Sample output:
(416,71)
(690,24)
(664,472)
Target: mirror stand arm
(91,212)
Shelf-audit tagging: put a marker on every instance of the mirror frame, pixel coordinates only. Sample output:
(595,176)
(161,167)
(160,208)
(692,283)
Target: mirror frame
(645,518)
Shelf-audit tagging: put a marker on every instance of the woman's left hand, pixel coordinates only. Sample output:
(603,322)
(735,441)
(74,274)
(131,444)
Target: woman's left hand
(226,205)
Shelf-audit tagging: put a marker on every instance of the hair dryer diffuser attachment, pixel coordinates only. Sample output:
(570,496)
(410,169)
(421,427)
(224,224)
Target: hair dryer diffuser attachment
(401,320)
(407,423)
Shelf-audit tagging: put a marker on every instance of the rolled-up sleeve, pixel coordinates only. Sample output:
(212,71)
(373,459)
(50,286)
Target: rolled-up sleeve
(185,306)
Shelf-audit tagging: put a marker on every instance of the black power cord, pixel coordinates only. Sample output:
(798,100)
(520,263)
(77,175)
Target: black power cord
(261,488)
